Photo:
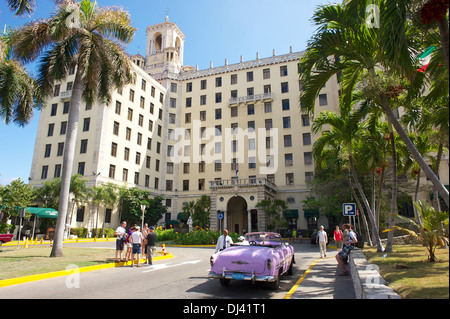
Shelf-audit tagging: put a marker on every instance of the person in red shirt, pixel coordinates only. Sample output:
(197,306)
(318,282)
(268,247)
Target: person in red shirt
(337,235)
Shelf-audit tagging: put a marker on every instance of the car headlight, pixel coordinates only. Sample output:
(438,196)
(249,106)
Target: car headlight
(211,260)
(269,264)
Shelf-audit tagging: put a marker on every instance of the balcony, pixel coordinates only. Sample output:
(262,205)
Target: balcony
(66,95)
(251,98)
(244,182)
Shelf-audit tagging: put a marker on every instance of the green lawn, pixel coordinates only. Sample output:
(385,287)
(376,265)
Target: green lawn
(410,274)
(35,260)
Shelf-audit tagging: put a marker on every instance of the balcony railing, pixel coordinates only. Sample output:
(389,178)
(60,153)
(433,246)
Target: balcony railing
(250,98)
(243,182)
(66,95)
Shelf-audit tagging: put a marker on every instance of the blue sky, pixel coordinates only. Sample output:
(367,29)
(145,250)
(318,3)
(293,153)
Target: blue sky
(215,30)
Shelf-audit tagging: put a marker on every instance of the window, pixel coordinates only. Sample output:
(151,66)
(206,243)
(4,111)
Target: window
(44,172)
(250,109)
(252,162)
(126,154)
(218,82)
(218,114)
(81,167)
(139,139)
(201,184)
(218,97)
(306,138)
(187,118)
(250,76)
(83,148)
(285,105)
(114,149)
(308,158)
(234,79)
(234,111)
(172,118)
(188,102)
(48,150)
(287,141)
(143,85)
(309,177)
(305,120)
(57,89)
(173,87)
(125,175)
(203,100)
(290,179)
(141,120)
(169,169)
(288,160)
(283,70)
(130,114)
(268,124)
(173,102)
(116,126)
(63,129)
(203,85)
(131,95)
(60,150)
(54,109)
(142,104)
(66,107)
(218,166)
(323,99)
(138,158)
(286,122)
(57,171)
(112,171)
(189,87)
(284,87)
(186,185)
(51,128)
(202,115)
(266,74)
(118,107)
(267,107)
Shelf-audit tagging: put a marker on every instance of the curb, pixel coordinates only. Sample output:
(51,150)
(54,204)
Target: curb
(21,280)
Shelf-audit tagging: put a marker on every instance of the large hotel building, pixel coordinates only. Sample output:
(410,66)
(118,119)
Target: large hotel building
(234,133)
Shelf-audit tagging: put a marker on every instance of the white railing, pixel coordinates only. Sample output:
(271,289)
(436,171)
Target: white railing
(66,95)
(243,182)
(250,98)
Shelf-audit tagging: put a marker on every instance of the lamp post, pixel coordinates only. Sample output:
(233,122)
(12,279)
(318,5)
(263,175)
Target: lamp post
(143,210)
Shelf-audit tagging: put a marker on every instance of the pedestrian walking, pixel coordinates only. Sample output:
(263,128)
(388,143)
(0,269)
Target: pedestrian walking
(150,244)
(136,240)
(144,236)
(121,235)
(348,241)
(322,240)
(294,235)
(337,235)
(224,241)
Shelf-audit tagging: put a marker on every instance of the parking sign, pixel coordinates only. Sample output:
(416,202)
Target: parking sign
(349,209)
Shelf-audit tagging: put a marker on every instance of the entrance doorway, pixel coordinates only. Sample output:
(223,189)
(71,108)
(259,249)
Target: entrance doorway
(237,215)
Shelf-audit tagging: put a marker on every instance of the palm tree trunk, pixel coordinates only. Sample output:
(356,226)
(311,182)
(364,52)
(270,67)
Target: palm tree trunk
(416,195)
(393,210)
(366,204)
(362,212)
(443,31)
(69,152)
(413,150)
(436,202)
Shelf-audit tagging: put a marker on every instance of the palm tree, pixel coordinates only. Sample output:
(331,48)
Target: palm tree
(92,39)
(430,230)
(344,46)
(345,129)
(18,91)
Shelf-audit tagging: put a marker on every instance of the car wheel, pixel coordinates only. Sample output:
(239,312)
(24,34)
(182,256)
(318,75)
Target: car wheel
(225,282)
(275,284)
(291,268)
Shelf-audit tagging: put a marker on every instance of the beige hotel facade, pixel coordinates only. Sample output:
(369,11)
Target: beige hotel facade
(234,133)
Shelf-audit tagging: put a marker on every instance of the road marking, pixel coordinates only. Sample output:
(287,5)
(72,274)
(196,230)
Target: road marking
(294,288)
(164,266)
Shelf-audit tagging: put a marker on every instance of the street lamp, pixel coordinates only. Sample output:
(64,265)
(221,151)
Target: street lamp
(143,210)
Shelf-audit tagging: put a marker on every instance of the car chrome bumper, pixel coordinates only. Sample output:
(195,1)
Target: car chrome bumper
(246,276)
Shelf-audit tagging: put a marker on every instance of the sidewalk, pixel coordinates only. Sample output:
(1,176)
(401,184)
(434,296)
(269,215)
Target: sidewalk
(321,281)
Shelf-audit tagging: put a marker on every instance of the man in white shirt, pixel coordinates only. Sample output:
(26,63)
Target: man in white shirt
(136,240)
(322,239)
(120,233)
(224,241)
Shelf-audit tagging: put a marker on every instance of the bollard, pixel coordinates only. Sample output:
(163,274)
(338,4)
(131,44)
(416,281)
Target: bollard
(106,237)
(51,243)
(76,240)
(25,245)
(42,240)
(163,249)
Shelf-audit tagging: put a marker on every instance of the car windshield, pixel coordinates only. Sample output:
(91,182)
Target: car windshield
(264,239)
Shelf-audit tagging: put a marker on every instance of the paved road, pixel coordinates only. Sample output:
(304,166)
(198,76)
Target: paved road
(186,277)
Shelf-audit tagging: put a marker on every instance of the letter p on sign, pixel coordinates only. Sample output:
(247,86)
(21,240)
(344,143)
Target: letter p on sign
(349,209)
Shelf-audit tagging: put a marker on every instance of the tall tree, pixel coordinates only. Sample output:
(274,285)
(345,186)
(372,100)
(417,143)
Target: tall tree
(91,38)
(359,54)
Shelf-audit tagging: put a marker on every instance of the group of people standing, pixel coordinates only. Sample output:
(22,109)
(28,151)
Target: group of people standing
(135,241)
(344,239)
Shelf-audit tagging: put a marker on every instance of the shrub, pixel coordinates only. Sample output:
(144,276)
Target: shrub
(202,237)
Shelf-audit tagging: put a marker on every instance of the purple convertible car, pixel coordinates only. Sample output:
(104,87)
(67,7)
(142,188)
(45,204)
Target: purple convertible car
(261,257)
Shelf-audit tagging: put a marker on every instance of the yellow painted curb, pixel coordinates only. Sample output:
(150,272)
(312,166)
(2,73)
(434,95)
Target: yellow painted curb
(21,280)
